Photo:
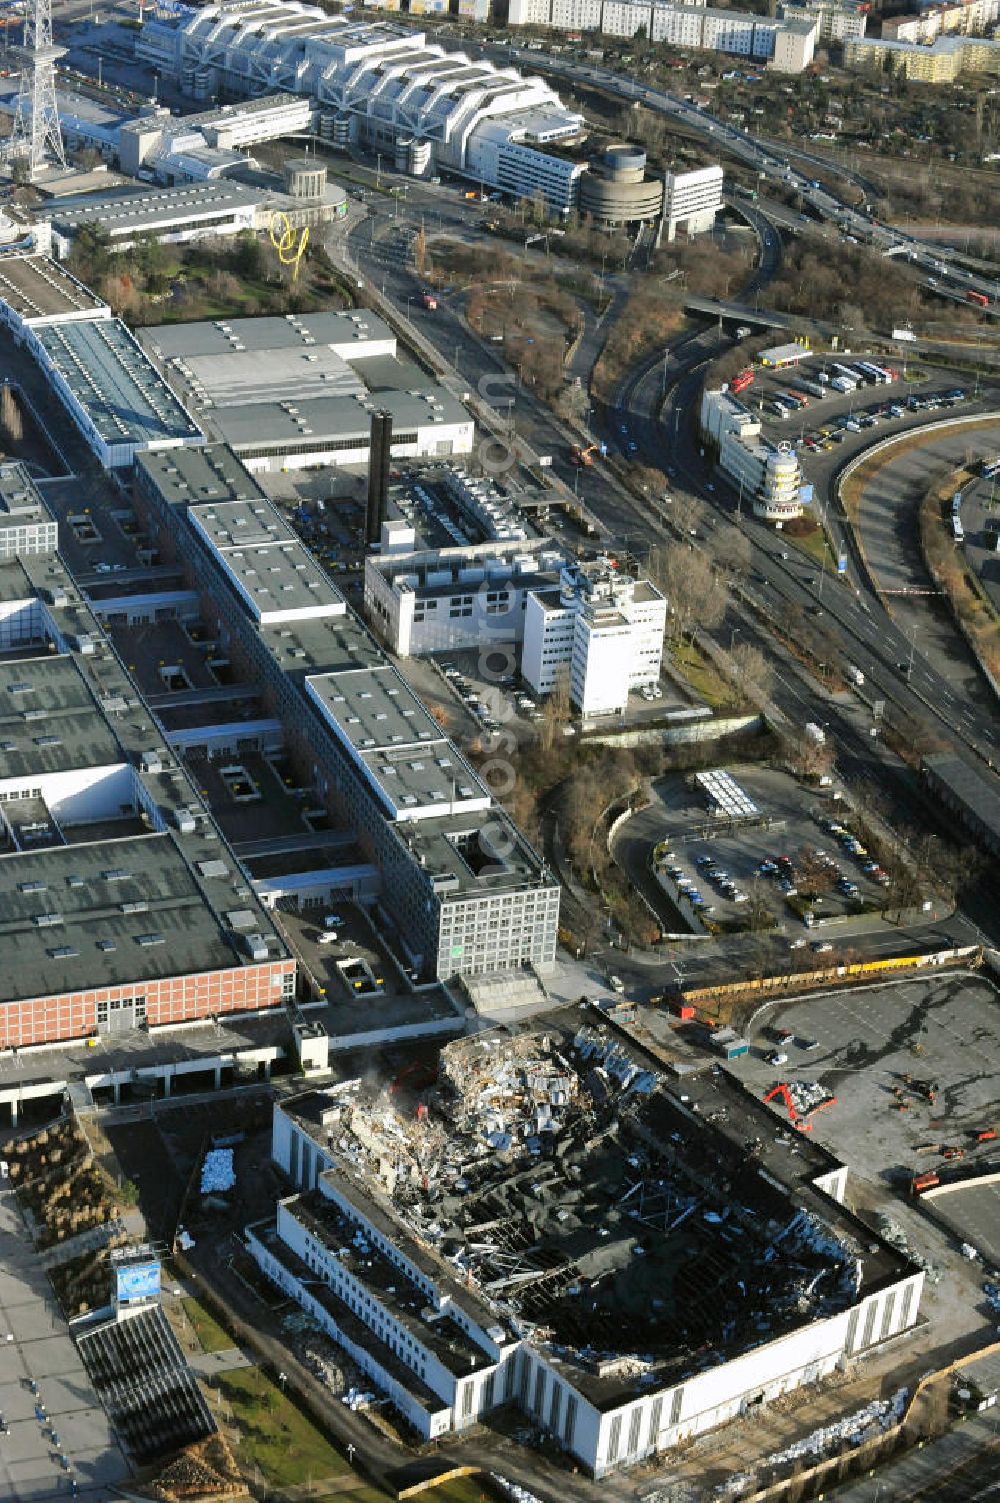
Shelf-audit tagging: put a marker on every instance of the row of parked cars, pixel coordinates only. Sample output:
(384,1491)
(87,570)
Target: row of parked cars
(710,871)
(834,431)
(851,846)
(479,706)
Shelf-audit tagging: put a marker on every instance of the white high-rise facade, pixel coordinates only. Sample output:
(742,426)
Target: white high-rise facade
(600,626)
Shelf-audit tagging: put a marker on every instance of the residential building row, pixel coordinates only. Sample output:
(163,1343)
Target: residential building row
(942,62)
(958,18)
(787,46)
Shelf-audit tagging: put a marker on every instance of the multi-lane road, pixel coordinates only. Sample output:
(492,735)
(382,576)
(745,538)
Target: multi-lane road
(655,404)
(775,167)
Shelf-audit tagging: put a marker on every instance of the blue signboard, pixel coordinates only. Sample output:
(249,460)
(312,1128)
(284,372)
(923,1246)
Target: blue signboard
(137,1281)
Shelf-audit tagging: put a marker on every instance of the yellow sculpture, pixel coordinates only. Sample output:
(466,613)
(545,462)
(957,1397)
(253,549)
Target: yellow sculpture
(290,249)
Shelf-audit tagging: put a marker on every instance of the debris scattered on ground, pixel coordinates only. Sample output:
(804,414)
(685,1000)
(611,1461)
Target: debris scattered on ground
(853,1430)
(514,1489)
(217,1173)
(355,1399)
(807,1095)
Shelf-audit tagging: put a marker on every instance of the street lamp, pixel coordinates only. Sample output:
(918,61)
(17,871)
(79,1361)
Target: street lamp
(913,648)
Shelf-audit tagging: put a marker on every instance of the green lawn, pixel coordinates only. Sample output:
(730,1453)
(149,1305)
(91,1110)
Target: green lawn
(208,1331)
(701,673)
(290,1451)
(817,548)
(278,1437)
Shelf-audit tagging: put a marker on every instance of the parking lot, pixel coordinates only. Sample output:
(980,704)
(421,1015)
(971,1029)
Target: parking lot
(797,864)
(363,987)
(914,1067)
(55,1433)
(815,424)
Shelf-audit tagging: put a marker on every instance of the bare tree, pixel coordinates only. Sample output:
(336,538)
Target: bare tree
(420,251)
(752,673)
(696,596)
(11,422)
(733,553)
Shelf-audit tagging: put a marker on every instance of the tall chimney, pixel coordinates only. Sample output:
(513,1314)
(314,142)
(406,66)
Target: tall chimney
(380,449)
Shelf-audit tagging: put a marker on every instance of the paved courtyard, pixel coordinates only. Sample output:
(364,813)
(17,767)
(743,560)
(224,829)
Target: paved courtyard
(944,1030)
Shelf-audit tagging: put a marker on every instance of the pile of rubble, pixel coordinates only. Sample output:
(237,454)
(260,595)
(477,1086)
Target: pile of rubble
(853,1430)
(217,1173)
(509,1091)
(807,1095)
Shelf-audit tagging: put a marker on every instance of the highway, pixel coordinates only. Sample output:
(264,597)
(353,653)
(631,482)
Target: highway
(655,404)
(774,166)
(659,417)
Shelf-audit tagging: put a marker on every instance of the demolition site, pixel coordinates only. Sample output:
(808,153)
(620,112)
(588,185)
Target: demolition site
(558,1223)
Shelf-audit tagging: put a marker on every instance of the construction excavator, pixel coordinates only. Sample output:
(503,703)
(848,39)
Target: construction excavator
(799,1120)
(580,456)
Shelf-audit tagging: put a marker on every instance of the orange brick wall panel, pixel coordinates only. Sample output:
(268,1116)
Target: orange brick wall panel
(172,999)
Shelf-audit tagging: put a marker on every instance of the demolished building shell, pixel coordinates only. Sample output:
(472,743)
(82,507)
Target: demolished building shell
(556,1225)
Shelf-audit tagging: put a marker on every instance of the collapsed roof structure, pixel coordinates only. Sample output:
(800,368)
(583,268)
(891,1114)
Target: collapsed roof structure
(648,1250)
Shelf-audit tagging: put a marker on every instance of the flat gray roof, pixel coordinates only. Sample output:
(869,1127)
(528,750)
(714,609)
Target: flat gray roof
(96,718)
(978,795)
(403,750)
(38,287)
(80,891)
(325,420)
(149,208)
(209,472)
(270,568)
(20,498)
(348,333)
(282,376)
(124,395)
(49,721)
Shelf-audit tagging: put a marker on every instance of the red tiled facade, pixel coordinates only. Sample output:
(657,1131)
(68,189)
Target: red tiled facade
(169,999)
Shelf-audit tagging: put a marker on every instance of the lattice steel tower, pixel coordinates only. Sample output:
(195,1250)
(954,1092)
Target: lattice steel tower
(36,136)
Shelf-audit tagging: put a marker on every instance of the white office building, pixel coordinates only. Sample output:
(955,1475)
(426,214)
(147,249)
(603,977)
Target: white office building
(600,626)
(26,527)
(766,474)
(446,599)
(691,200)
(376,84)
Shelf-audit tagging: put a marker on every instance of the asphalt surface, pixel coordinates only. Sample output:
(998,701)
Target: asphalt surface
(656,405)
(962,1467)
